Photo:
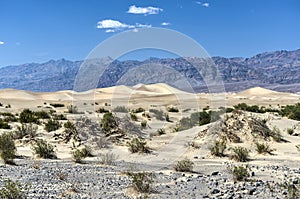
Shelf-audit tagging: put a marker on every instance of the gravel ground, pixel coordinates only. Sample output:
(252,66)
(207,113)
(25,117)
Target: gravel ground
(62,179)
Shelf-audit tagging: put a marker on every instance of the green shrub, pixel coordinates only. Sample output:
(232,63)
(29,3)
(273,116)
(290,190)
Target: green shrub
(42,115)
(7,148)
(161,131)
(143,124)
(158,114)
(240,154)
(102,110)
(240,173)
(276,134)
(138,110)
(43,149)
(28,116)
(173,109)
(9,117)
(25,130)
(263,148)
(142,181)
(59,117)
(57,105)
(290,131)
(52,125)
(133,117)
(72,109)
(291,111)
(12,190)
(185,165)
(87,151)
(78,156)
(108,122)
(137,145)
(120,109)
(4,125)
(218,148)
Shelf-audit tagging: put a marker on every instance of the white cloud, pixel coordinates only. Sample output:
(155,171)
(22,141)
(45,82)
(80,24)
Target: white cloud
(144,10)
(205,5)
(165,23)
(110,25)
(1,42)
(198,2)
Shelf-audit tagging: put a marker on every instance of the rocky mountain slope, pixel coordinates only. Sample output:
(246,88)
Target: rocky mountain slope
(279,70)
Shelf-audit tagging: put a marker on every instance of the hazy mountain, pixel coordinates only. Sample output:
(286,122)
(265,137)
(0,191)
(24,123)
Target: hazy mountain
(279,70)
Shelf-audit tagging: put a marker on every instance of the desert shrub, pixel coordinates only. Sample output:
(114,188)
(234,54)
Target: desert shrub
(108,122)
(185,165)
(291,111)
(102,110)
(12,190)
(143,124)
(218,148)
(8,106)
(72,109)
(141,181)
(9,117)
(253,108)
(133,117)
(158,114)
(52,125)
(4,125)
(108,158)
(57,105)
(173,109)
(137,145)
(28,116)
(43,149)
(161,131)
(7,148)
(298,147)
(87,151)
(240,173)
(276,134)
(42,115)
(25,130)
(290,131)
(263,148)
(167,117)
(59,117)
(138,110)
(102,142)
(120,109)
(78,155)
(240,154)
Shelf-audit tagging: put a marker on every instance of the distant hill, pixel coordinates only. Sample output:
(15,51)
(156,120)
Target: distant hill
(279,70)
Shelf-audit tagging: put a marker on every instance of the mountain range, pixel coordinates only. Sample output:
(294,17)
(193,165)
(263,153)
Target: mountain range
(278,70)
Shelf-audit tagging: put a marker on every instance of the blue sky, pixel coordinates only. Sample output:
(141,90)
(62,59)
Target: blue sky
(40,30)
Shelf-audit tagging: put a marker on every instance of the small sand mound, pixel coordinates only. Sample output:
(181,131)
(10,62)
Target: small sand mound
(240,127)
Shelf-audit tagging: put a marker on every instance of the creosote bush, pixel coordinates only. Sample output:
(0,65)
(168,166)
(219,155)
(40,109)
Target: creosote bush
(185,165)
(161,131)
(4,125)
(141,181)
(240,173)
(143,124)
(7,148)
(218,148)
(173,109)
(290,131)
(12,190)
(108,122)
(25,130)
(80,154)
(276,134)
(28,116)
(138,110)
(137,145)
(120,109)
(158,114)
(263,148)
(43,149)
(52,125)
(240,154)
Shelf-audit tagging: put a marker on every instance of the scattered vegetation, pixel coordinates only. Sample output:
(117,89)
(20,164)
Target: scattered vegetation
(9,117)
(28,116)
(291,111)
(276,134)
(161,131)
(108,122)
(240,173)
(253,108)
(185,165)
(52,125)
(72,109)
(12,190)
(59,117)
(263,148)
(108,158)
(102,110)
(78,155)
(240,154)
(173,109)
(133,117)
(7,148)
(137,145)
(290,131)
(43,149)
(138,110)
(120,109)
(4,125)
(42,115)
(25,130)
(218,148)
(141,181)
